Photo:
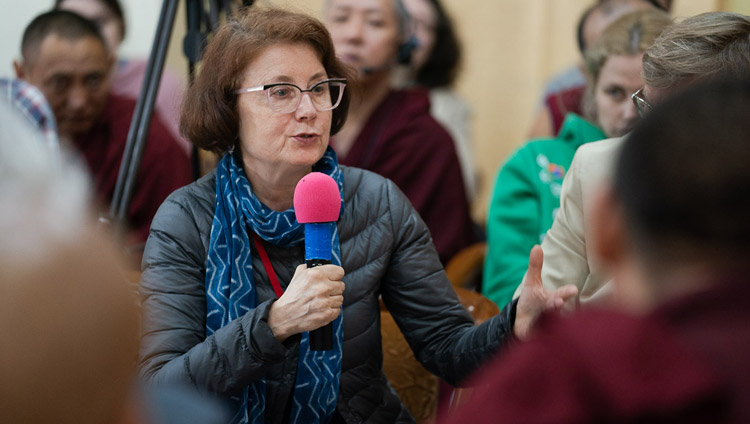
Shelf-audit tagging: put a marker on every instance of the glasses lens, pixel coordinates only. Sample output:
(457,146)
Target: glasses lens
(641,105)
(283,98)
(326,95)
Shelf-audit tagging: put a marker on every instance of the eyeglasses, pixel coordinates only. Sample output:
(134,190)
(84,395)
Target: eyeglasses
(641,105)
(285,97)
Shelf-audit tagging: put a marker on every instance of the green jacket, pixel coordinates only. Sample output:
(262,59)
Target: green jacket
(524,203)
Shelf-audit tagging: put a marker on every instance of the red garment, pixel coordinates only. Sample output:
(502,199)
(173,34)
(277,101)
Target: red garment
(403,143)
(165,166)
(687,362)
(561,103)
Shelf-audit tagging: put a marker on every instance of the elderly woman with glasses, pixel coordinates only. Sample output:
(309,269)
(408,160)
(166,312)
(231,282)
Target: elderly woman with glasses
(227,306)
(527,191)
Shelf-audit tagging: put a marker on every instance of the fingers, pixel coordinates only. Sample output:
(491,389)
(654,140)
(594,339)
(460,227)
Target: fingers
(320,274)
(567,291)
(332,276)
(332,272)
(558,297)
(335,303)
(533,277)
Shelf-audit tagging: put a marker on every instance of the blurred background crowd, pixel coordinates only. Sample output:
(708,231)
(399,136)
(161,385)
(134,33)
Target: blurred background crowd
(510,49)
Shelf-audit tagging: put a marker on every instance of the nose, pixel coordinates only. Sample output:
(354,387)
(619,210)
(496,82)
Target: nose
(352,29)
(306,109)
(77,98)
(630,113)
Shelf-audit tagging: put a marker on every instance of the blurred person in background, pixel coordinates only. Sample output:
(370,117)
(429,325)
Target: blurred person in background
(672,230)
(527,190)
(697,49)
(564,92)
(435,64)
(127,74)
(391,132)
(65,56)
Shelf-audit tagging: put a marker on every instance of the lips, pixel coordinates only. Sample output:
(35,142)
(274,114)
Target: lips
(305,137)
(351,59)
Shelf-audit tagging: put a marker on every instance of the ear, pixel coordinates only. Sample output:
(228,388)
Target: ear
(608,229)
(18,67)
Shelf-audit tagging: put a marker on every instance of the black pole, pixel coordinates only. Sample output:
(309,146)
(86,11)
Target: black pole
(192,47)
(141,122)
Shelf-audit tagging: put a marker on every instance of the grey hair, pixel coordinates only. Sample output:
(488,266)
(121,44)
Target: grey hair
(702,47)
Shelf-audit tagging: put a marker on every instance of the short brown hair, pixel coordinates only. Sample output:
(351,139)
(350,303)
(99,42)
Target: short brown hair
(209,112)
(702,47)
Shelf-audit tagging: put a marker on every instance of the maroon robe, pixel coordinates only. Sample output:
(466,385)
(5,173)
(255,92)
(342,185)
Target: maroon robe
(165,166)
(402,142)
(561,103)
(687,362)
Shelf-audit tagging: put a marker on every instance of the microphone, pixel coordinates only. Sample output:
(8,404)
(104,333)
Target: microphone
(317,204)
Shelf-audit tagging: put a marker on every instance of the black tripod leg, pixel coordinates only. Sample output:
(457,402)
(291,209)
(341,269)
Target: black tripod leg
(144,109)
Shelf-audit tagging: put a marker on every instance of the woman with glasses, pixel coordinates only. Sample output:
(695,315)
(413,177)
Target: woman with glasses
(227,306)
(527,190)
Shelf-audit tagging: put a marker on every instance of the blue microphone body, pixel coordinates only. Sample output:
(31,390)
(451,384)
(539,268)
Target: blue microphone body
(318,238)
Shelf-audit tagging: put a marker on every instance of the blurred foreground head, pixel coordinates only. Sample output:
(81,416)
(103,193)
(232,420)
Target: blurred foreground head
(677,217)
(68,318)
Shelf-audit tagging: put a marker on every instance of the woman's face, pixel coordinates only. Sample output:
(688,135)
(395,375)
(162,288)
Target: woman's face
(273,142)
(365,33)
(619,77)
(424,18)
(99,13)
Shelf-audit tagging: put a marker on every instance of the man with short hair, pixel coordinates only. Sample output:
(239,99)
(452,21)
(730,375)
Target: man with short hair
(673,231)
(65,56)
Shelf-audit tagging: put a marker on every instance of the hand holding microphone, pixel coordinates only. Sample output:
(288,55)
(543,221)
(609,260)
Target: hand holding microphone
(314,297)
(317,204)
(312,300)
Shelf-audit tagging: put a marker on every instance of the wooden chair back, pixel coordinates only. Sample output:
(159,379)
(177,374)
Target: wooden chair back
(416,386)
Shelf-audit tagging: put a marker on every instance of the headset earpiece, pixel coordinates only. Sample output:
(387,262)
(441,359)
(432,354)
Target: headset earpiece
(405,50)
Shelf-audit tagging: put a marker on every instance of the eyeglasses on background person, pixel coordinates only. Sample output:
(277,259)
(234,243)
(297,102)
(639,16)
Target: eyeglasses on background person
(285,97)
(641,105)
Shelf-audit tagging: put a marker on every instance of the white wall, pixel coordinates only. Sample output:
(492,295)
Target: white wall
(141,17)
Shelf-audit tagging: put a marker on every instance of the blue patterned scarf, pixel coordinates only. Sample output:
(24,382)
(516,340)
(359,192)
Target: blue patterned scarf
(230,288)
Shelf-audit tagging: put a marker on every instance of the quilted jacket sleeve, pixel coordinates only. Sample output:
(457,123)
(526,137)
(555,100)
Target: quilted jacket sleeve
(174,346)
(421,299)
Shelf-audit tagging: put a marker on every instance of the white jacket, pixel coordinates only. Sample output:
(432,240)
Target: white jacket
(567,255)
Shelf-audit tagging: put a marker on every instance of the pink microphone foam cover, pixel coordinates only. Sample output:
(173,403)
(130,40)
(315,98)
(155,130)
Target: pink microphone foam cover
(317,199)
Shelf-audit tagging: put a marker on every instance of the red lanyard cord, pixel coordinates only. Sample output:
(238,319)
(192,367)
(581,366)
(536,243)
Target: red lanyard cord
(267,264)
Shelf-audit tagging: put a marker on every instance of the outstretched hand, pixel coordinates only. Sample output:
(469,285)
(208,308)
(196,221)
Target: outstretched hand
(534,299)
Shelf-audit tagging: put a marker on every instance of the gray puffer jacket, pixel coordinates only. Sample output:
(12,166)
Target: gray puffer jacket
(386,251)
